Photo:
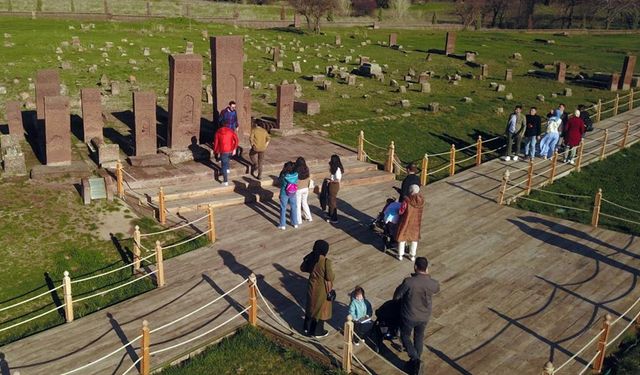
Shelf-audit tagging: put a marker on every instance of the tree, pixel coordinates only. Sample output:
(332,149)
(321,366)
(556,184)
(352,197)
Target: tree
(469,11)
(611,9)
(399,8)
(498,10)
(313,11)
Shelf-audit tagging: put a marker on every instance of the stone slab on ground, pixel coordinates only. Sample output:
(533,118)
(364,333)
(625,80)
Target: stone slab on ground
(77,169)
(154,160)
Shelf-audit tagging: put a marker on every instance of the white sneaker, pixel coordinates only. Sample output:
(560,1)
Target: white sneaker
(296,226)
(515,158)
(572,162)
(413,259)
(400,257)
(225,184)
(507,158)
(282,228)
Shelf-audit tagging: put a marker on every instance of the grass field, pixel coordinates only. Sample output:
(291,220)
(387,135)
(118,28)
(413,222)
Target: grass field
(249,352)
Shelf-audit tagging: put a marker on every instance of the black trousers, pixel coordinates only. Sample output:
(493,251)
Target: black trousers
(414,349)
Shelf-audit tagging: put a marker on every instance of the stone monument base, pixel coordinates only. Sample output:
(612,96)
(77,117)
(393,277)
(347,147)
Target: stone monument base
(154,160)
(287,132)
(77,169)
(193,153)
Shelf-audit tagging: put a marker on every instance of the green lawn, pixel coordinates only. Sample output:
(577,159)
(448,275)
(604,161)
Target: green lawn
(249,352)
(622,190)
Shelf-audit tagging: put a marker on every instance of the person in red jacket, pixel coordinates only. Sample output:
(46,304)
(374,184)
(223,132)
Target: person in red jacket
(225,144)
(573,136)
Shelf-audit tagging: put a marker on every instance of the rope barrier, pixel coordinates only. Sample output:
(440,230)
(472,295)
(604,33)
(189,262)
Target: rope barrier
(625,313)
(31,299)
(555,205)
(438,170)
(573,357)
(360,363)
(174,228)
(128,174)
(516,185)
(102,274)
(30,319)
(185,241)
(619,218)
(104,357)
(466,147)
(374,352)
(495,149)
(132,366)
(374,145)
(562,194)
(588,366)
(200,335)
(467,159)
(112,289)
(632,321)
(198,309)
(615,204)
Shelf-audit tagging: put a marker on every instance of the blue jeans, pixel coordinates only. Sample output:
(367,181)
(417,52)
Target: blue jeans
(530,146)
(548,144)
(284,199)
(225,157)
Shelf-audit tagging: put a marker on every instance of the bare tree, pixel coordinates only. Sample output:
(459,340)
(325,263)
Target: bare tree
(469,11)
(313,11)
(611,9)
(399,8)
(498,10)
(344,7)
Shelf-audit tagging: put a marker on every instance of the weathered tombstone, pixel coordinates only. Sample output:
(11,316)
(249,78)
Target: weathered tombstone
(425,87)
(450,43)
(296,67)
(627,72)
(561,71)
(75,41)
(47,84)
(433,107)
(144,110)
(423,78)
(469,56)
(91,114)
(57,130)
(246,109)
(227,75)
(284,106)
(351,80)
(508,75)
(393,39)
(485,71)
(376,25)
(14,119)
(108,154)
(310,108)
(338,40)
(326,85)
(115,88)
(185,106)
(276,54)
(189,49)
(500,88)
(297,21)
(363,59)
(318,77)
(614,82)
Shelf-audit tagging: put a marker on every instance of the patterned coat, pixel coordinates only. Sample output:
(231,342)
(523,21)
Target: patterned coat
(410,219)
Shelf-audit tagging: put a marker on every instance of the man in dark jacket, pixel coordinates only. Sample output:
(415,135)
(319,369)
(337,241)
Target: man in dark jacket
(415,295)
(532,133)
(411,179)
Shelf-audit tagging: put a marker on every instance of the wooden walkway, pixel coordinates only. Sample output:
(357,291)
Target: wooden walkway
(518,289)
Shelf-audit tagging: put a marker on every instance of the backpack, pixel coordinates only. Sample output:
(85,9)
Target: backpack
(291,189)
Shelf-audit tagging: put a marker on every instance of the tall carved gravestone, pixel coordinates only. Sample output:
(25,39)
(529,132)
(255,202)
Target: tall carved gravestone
(47,84)
(57,130)
(393,39)
(450,43)
(614,82)
(185,106)
(227,75)
(14,118)
(276,54)
(144,110)
(627,72)
(91,114)
(284,106)
(561,71)
(297,21)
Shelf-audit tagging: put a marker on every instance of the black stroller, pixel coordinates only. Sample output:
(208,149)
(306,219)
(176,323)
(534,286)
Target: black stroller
(387,324)
(386,230)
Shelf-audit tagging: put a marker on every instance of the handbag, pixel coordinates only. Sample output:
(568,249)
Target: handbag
(331,293)
(291,189)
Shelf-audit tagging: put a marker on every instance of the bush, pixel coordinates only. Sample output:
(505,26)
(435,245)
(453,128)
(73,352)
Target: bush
(364,7)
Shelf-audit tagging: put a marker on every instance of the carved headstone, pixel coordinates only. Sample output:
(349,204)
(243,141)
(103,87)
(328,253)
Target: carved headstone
(393,39)
(425,87)
(297,21)
(284,106)
(508,75)
(296,67)
(615,80)
(47,84)
(189,49)
(14,118)
(561,71)
(227,75)
(91,114)
(276,54)
(485,71)
(57,130)
(144,109)
(185,106)
(627,72)
(351,80)
(450,43)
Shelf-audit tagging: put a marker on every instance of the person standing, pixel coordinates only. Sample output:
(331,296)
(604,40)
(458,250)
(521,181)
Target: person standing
(573,136)
(229,117)
(288,188)
(411,179)
(550,140)
(336,169)
(410,221)
(302,195)
(515,127)
(586,118)
(320,293)
(415,297)
(224,145)
(532,133)
(259,140)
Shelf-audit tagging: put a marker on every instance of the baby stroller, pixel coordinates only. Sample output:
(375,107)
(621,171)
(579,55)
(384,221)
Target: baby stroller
(386,325)
(386,223)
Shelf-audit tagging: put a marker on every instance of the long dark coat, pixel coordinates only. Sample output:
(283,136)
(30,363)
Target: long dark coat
(410,220)
(318,307)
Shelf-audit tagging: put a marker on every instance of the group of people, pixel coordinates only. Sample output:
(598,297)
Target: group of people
(562,131)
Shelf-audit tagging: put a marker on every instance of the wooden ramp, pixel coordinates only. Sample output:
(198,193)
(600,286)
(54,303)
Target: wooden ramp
(518,289)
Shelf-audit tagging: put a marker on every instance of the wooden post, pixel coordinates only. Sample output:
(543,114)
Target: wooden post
(602,344)
(347,352)
(479,150)
(159,265)
(548,369)
(145,343)
(503,187)
(136,249)
(361,146)
(452,160)
(119,179)
(580,153)
(390,156)
(530,177)
(554,165)
(599,111)
(253,300)
(68,298)
(424,173)
(212,226)
(616,103)
(604,144)
(162,215)
(148,9)
(597,204)
(631,99)
(623,143)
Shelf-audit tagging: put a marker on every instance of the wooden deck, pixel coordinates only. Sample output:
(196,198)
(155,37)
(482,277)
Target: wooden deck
(518,289)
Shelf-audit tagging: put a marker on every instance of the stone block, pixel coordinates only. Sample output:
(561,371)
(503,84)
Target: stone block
(284,106)
(185,106)
(613,83)
(91,114)
(145,128)
(57,130)
(108,155)
(425,87)
(561,71)
(433,107)
(296,67)
(86,191)
(393,39)
(14,118)
(47,84)
(450,43)
(627,72)
(310,108)
(500,88)
(508,75)
(227,61)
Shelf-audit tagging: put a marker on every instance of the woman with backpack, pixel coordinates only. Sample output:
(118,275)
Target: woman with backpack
(288,188)
(302,195)
(333,186)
